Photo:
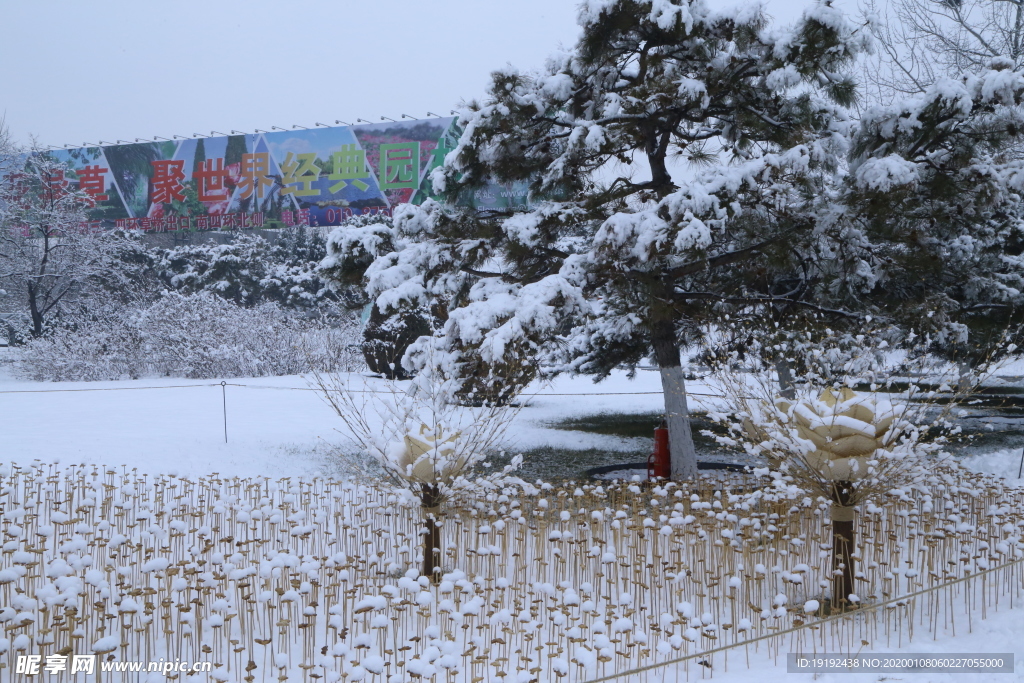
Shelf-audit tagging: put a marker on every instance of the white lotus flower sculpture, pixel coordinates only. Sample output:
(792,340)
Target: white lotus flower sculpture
(429,457)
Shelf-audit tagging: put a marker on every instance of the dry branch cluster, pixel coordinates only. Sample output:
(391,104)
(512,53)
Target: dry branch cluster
(316,579)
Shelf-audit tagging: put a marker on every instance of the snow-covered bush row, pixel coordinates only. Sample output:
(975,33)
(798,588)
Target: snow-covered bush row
(199,336)
(250,270)
(288,579)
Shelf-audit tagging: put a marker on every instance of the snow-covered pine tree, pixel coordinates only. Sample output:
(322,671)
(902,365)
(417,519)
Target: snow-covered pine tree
(234,270)
(292,279)
(391,326)
(672,155)
(934,213)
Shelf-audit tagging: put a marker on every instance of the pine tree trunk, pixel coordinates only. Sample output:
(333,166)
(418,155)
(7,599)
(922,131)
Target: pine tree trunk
(787,389)
(430,502)
(964,380)
(677,413)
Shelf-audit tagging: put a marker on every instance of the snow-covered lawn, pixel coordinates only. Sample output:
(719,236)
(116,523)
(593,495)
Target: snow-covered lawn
(277,428)
(999,633)
(274,424)
(278,424)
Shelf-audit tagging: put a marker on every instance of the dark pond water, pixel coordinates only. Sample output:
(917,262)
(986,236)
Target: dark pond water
(990,421)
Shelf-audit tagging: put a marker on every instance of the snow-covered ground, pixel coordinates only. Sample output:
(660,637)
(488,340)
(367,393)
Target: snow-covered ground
(603,593)
(280,427)
(280,424)
(1004,462)
(273,423)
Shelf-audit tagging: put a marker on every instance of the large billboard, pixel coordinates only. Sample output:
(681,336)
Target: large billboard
(315,177)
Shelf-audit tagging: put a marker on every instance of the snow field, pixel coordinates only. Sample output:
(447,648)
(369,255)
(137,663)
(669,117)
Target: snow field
(291,577)
(275,424)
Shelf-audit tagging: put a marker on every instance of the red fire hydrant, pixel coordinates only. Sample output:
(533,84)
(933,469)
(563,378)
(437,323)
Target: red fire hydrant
(659,463)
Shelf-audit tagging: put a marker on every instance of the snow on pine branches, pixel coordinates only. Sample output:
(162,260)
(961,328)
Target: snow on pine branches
(933,212)
(623,253)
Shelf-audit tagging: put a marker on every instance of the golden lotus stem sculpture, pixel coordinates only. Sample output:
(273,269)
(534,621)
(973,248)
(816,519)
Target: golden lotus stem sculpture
(428,459)
(847,430)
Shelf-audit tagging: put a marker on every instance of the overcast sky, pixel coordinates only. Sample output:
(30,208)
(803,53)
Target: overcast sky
(102,70)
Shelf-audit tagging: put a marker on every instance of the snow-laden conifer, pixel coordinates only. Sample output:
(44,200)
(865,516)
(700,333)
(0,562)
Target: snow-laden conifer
(672,157)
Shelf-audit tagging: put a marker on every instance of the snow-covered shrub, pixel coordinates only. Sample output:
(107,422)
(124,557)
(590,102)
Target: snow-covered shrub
(204,336)
(103,342)
(199,336)
(250,270)
(386,338)
(860,420)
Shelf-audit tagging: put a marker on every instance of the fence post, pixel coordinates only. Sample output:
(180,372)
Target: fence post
(224,397)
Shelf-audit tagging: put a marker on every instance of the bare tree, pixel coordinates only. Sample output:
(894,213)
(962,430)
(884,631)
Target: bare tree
(48,252)
(423,440)
(920,41)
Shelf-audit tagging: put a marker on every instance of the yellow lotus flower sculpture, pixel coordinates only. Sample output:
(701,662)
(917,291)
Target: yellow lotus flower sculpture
(846,430)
